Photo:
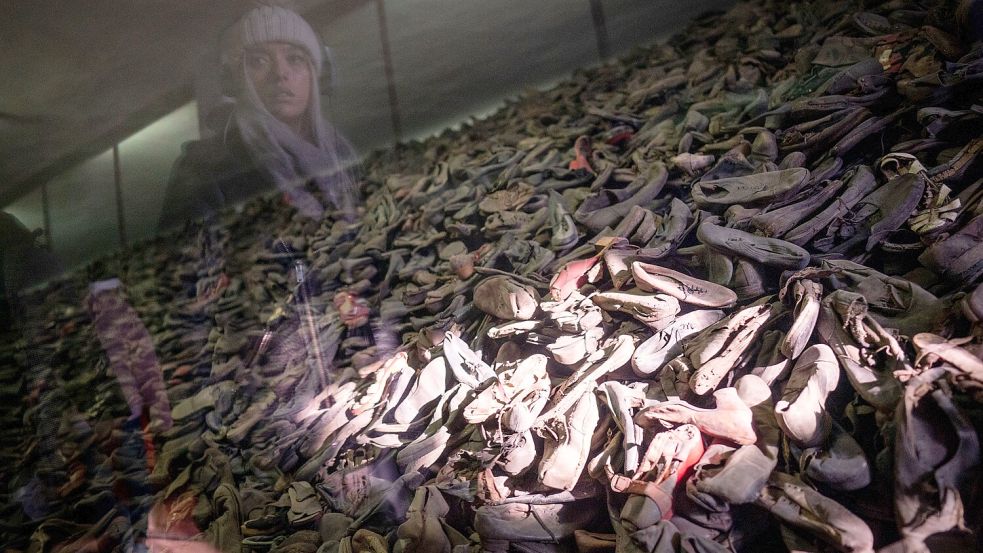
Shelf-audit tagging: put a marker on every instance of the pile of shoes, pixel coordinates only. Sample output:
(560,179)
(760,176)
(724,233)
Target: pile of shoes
(722,295)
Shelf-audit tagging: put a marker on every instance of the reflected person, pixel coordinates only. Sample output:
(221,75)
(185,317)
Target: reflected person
(275,134)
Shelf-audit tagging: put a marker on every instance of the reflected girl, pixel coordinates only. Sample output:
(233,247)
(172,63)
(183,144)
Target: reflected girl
(275,133)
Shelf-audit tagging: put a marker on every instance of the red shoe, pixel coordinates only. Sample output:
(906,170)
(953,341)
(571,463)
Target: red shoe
(353,310)
(577,273)
(583,151)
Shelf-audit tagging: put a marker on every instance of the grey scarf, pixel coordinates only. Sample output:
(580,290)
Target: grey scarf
(291,161)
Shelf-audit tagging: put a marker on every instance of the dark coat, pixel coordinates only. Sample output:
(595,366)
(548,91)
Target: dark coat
(211,174)
(23,263)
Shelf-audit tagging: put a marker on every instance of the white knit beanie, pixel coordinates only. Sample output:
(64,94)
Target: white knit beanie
(273,23)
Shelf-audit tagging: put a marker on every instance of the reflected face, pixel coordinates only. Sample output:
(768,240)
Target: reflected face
(281,75)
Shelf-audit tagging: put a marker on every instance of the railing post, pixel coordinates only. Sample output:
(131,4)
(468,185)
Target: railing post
(600,29)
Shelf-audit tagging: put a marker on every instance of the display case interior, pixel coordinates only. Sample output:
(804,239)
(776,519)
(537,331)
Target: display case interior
(722,294)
